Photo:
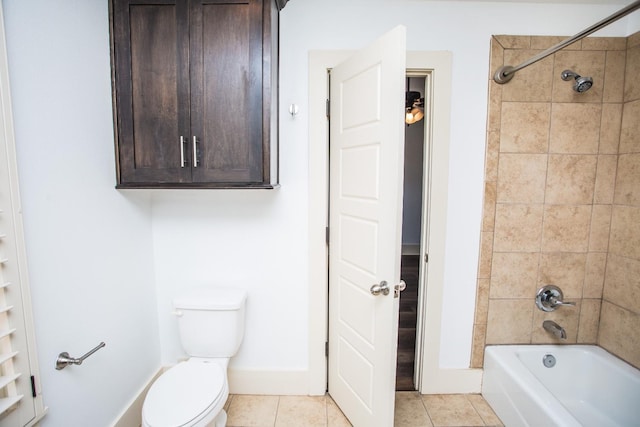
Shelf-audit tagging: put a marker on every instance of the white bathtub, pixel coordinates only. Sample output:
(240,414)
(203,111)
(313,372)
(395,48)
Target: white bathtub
(587,386)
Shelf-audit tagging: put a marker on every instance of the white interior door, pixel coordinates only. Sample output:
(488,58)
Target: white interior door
(366,178)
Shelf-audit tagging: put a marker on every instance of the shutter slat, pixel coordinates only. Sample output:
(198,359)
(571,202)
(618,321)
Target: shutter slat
(5,380)
(7,402)
(5,309)
(6,333)
(8,356)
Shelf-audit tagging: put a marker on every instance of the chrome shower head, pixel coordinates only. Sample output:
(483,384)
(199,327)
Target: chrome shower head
(582,84)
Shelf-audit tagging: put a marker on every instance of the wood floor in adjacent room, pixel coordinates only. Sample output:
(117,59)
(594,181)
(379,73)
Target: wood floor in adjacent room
(408,317)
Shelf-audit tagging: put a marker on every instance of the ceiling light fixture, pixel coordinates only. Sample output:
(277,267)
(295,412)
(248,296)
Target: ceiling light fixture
(414,107)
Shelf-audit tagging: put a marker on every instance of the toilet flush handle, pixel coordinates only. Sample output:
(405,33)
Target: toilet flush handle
(177,313)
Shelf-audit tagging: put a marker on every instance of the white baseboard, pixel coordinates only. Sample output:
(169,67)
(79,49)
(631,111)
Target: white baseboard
(452,381)
(131,416)
(269,382)
(240,382)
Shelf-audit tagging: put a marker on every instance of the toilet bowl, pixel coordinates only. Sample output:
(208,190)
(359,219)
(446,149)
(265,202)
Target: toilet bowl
(193,393)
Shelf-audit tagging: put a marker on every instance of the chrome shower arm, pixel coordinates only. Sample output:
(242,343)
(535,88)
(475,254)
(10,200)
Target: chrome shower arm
(506,72)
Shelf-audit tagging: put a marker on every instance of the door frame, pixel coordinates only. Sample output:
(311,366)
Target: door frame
(432,378)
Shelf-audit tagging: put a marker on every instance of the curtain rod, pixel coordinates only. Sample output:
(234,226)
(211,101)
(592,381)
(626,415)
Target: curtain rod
(506,72)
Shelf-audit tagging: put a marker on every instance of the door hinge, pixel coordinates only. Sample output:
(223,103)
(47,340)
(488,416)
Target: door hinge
(426,257)
(328,109)
(33,386)
(326,348)
(326,232)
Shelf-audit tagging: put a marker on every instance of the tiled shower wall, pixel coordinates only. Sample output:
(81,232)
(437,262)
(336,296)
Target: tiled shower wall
(562,197)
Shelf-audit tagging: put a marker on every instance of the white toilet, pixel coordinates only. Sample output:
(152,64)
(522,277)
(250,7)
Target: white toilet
(193,393)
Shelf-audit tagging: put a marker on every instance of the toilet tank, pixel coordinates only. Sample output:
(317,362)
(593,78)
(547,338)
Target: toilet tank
(211,321)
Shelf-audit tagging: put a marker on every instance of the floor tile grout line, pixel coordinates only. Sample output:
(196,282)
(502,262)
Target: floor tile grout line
(275,419)
(484,422)
(424,405)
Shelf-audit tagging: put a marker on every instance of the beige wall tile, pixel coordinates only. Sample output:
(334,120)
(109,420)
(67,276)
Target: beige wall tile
(509,321)
(477,349)
(486,254)
(482,302)
(584,136)
(605,178)
(545,42)
(514,274)
(521,178)
(571,179)
(525,127)
(489,206)
(619,333)
(518,228)
(530,84)
(589,320)
(625,232)
(614,76)
(631,83)
(622,283)
(496,57)
(630,128)
(566,228)
(600,228)
(604,43)
(633,40)
(513,42)
(451,410)
(567,317)
(563,269)
(585,63)
(495,107)
(594,275)
(610,128)
(491,156)
(575,128)
(627,189)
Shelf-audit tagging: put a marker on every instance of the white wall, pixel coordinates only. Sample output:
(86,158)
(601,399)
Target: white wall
(260,238)
(100,258)
(88,245)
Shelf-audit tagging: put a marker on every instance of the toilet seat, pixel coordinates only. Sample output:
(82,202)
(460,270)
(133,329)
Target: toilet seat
(189,392)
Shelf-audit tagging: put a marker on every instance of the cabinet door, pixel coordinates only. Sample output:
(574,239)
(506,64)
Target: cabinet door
(226,90)
(152,91)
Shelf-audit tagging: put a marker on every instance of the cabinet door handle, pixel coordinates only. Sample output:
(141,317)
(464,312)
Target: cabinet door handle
(195,152)
(182,163)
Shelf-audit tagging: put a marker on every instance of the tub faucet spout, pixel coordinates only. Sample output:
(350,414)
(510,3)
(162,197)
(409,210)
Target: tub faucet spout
(557,330)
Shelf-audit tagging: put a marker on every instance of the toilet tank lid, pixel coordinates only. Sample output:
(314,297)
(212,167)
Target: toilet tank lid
(211,298)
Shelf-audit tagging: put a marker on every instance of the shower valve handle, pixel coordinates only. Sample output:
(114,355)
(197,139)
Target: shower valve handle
(550,297)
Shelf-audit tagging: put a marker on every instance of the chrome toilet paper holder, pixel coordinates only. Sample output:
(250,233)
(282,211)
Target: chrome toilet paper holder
(65,360)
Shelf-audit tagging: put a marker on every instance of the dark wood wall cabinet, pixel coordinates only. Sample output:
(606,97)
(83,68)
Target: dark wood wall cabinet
(195,93)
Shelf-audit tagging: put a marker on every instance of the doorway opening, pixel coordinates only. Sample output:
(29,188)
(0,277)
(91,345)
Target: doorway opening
(430,378)
(415,145)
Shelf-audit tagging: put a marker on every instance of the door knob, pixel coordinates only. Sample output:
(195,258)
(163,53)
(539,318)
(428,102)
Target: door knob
(399,288)
(382,288)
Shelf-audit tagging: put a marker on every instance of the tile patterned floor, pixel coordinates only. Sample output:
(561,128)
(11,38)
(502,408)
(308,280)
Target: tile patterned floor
(412,410)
